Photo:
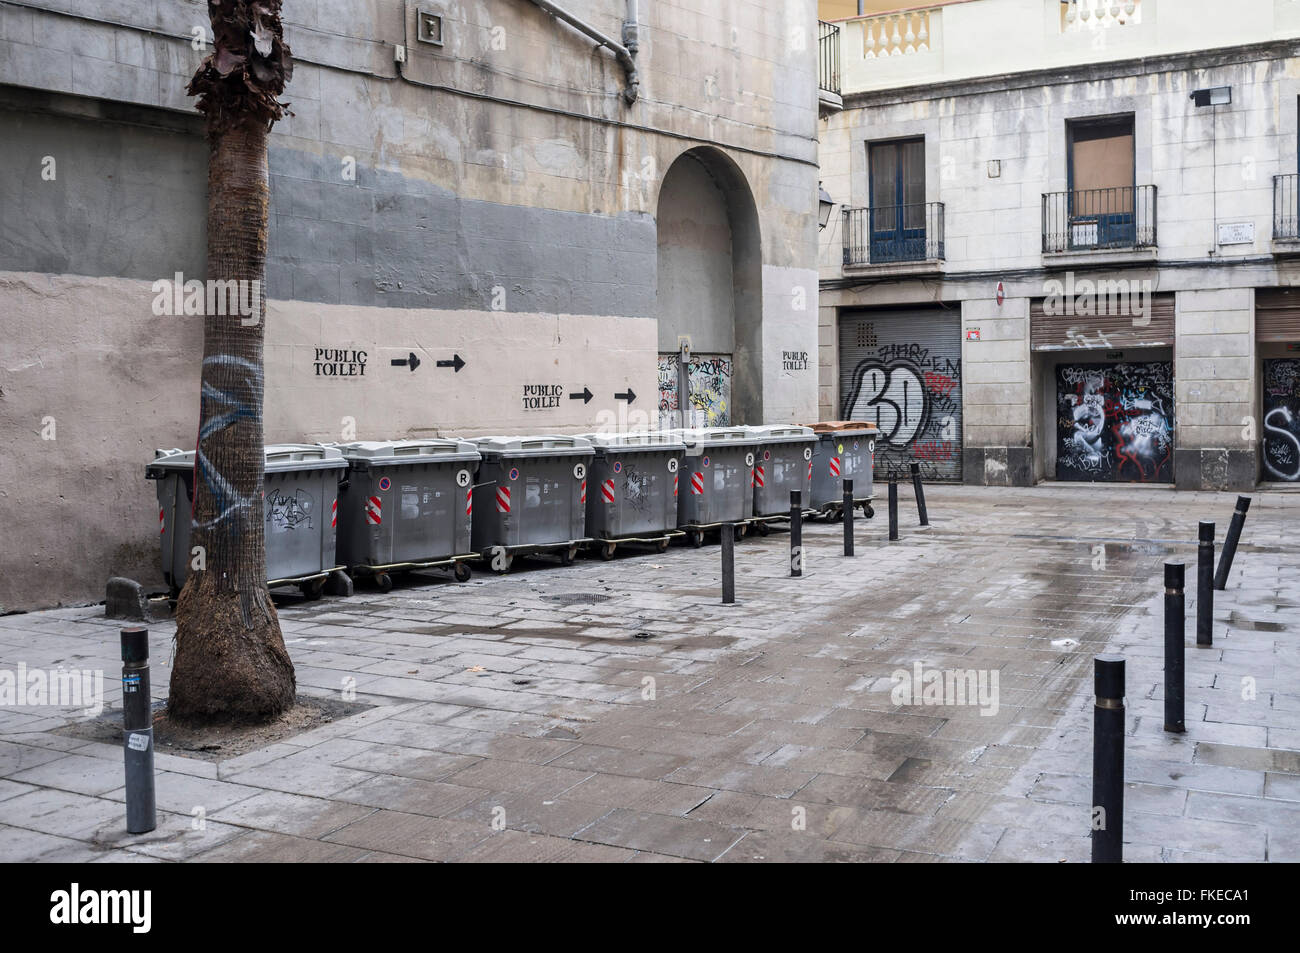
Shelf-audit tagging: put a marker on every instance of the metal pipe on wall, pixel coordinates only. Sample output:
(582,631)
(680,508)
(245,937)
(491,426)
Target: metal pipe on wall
(622,53)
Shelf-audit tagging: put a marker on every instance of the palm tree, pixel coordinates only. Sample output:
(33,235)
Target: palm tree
(230,660)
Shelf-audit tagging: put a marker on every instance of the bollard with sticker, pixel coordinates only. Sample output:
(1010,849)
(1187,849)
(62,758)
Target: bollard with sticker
(137,734)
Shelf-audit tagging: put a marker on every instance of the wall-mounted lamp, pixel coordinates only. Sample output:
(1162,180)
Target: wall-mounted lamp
(824,206)
(1215,96)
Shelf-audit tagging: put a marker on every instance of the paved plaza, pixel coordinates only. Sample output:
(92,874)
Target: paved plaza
(617,711)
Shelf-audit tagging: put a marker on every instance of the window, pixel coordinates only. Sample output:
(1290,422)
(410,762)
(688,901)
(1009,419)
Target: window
(1102,183)
(897,200)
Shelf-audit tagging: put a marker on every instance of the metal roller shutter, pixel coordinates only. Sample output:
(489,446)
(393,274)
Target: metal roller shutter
(1277,314)
(1122,325)
(901,370)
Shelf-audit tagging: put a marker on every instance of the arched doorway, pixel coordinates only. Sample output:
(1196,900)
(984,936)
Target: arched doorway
(709,284)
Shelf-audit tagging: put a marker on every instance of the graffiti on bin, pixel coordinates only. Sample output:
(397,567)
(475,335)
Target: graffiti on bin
(289,512)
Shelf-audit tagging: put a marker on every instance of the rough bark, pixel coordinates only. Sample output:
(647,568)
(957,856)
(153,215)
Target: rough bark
(230,662)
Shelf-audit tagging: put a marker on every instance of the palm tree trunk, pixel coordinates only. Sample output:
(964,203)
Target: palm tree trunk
(230,660)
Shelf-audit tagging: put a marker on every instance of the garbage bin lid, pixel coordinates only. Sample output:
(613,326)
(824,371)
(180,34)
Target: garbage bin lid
(645,440)
(398,452)
(540,445)
(843,426)
(782,433)
(280,458)
(697,437)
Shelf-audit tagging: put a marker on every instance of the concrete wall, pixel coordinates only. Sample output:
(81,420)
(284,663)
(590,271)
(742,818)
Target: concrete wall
(495,199)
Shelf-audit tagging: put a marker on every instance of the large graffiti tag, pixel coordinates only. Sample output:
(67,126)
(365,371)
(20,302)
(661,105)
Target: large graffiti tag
(1281,450)
(914,397)
(1115,422)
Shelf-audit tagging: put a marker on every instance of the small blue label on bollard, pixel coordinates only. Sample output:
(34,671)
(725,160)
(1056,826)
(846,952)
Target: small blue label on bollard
(130,684)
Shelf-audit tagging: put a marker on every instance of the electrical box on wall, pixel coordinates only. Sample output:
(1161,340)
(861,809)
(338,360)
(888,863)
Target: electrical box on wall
(428,27)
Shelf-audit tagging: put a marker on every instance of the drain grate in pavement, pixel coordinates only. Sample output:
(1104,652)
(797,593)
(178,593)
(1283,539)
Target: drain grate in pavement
(577,598)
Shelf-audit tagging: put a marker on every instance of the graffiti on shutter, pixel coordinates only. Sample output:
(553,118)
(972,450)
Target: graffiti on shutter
(1115,422)
(902,372)
(1282,420)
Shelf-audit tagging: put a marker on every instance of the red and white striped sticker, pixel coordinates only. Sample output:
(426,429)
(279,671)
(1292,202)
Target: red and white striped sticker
(334,514)
(503,499)
(758,477)
(469,502)
(374,511)
(809,471)
(697,483)
(835,466)
(607,491)
(162,523)
(674,484)
(583,499)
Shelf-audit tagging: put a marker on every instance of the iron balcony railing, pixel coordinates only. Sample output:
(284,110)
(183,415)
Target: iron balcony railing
(828,57)
(1097,219)
(1286,210)
(893,233)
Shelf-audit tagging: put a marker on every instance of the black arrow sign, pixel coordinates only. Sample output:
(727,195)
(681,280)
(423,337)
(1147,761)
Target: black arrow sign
(629,396)
(585,396)
(413,362)
(455,362)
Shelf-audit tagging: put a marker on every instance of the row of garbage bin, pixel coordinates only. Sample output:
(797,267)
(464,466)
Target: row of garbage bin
(376,508)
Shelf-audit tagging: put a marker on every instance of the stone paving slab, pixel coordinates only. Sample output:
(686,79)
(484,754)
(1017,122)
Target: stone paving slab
(617,712)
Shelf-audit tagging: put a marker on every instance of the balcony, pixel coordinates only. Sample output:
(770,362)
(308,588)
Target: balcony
(1117,223)
(1286,215)
(829,100)
(894,238)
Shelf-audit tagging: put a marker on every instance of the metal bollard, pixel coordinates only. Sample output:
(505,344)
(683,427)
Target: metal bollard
(920,494)
(893,509)
(1108,760)
(1175,629)
(796,534)
(728,563)
(1205,585)
(848,517)
(1230,543)
(137,734)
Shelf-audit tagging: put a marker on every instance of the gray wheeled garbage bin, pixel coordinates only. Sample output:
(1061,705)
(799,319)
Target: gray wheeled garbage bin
(632,490)
(782,462)
(845,448)
(716,485)
(300,492)
(407,505)
(530,497)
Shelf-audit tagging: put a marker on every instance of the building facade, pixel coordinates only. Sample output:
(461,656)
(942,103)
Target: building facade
(1065,237)
(480,215)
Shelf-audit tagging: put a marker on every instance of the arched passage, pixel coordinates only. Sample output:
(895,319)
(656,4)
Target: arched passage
(709,292)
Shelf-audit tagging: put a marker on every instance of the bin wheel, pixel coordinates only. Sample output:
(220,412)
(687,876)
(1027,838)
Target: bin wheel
(607,550)
(696,537)
(662,546)
(836,515)
(763,529)
(868,510)
(384,581)
(741,530)
(567,556)
(462,572)
(313,589)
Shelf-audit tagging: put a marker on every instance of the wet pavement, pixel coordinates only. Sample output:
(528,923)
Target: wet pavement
(614,711)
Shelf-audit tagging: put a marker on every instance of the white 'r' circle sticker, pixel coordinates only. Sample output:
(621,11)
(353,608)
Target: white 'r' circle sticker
(462,478)
(579,472)
(672,464)
(807,453)
(749,459)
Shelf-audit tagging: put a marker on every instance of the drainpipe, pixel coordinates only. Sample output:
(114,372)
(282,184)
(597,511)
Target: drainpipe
(625,54)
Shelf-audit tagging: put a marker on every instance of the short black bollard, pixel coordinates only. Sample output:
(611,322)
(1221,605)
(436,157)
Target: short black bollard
(1205,585)
(1108,760)
(137,734)
(728,533)
(796,534)
(1230,543)
(893,509)
(1175,636)
(848,517)
(920,494)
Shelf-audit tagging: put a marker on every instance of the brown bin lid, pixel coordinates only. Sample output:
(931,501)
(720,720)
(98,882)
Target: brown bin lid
(831,426)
